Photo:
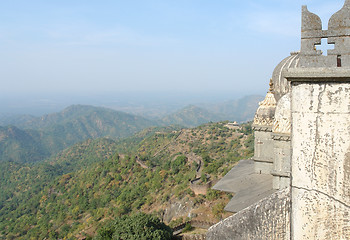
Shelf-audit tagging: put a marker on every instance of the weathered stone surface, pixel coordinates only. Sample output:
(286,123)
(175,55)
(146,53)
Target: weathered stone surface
(263,145)
(281,165)
(319,216)
(266,219)
(316,74)
(265,113)
(321,160)
(283,116)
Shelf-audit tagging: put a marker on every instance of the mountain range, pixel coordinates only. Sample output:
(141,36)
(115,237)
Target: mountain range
(31,139)
(26,138)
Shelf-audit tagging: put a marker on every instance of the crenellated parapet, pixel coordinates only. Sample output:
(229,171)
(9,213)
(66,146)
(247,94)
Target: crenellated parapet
(338,34)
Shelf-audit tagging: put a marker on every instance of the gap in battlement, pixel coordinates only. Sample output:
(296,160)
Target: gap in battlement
(325,11)
(324,46)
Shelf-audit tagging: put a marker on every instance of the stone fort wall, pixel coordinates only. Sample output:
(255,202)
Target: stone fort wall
(267,219)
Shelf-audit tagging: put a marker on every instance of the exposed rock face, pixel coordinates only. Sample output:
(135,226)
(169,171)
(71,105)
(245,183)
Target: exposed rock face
(267,219)
(177,209)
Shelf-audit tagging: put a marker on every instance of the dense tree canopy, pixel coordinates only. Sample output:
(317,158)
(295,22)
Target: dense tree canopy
(139,226)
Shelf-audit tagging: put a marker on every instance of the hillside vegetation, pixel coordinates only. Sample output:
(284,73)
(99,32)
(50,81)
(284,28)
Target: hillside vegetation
(87,186)
(35,139)
(28,139)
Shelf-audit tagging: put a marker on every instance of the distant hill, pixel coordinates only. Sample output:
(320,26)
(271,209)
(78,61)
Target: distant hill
(15,119)
(18,145)
(190,116)
(32,139)
(37,138)
(241,110)
(98,121)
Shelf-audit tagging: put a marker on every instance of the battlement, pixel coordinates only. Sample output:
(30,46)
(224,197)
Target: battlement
(337,34)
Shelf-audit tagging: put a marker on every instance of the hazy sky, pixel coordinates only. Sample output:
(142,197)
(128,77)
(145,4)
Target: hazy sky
(90,46)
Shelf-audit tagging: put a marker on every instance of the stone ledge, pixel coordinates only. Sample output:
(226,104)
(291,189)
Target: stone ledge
(335,74)
(280,174)
(255,159)
(262,128)
(281,136)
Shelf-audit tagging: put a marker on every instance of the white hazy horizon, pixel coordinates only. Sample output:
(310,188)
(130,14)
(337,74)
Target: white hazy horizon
(91,48)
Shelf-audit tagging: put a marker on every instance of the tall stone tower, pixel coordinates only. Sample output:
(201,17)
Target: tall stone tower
(304,155)
(320,108)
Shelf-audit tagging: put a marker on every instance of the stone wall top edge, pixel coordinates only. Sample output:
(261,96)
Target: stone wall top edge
(317,74)
(280,174)
(311,34)
(280,135)
(256,159)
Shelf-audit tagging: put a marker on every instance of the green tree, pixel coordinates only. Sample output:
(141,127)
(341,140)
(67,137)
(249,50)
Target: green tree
(139,226)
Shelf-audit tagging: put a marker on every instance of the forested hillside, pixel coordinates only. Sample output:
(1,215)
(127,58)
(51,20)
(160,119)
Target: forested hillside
(30,139)
(35,139)
(81,189)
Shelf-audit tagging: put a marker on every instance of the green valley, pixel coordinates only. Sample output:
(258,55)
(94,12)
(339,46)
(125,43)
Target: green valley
(79,191)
